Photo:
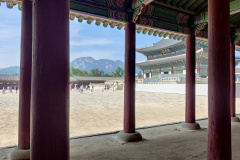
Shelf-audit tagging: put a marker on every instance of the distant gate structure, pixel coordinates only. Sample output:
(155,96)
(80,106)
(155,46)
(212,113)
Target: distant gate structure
(87,80)
(9,81)
(13,80)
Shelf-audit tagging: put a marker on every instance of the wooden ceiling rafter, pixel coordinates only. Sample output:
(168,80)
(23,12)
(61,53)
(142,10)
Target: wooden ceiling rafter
(165,26)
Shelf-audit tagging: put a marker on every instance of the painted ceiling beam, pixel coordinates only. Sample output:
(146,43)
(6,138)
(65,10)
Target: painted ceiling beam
(174,7)
(235,19)
(235,5)
(194,5)
(189,3)
(174,2)
(238,23)
(180,3)
(166,1)
(234,8)
(201,7)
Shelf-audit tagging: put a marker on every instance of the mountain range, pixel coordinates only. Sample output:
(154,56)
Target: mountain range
(10,70)
(83,63)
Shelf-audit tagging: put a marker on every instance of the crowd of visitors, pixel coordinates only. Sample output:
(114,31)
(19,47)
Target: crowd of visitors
(87,87)
(10,89)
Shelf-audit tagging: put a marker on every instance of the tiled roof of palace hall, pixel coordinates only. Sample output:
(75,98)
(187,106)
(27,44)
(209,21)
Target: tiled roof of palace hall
(163,18)
(175,58)
(9,78)
(166,59)
(94,79)
(72,79)
(163,43)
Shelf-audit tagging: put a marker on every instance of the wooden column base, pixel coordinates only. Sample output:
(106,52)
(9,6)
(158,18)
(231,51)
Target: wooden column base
(20,154)
(235,119)
(190,126)
(129,137)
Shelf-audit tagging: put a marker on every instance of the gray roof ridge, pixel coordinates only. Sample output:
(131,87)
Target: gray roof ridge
(163,43)
(168,58)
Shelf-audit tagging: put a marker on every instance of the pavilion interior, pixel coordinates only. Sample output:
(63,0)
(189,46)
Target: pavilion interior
(194,21)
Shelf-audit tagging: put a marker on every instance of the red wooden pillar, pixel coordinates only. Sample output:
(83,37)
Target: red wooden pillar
(219,124)
(25,76)
(25,84)
(190,84)
(198,69)
(50,80)
(129,133)
(232,82)
(129,81)
(172,71)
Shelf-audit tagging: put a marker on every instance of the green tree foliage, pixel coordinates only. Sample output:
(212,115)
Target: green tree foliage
(96,72)
(77,72)
(119,72)
(139,75)
(107,75)
(15,74)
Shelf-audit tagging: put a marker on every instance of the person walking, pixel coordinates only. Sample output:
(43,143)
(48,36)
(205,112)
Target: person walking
(3,90)
(16,89)
(92,89)
(81,88)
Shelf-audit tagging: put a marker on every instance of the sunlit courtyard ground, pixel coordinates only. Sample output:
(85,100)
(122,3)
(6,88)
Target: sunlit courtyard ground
(97,112)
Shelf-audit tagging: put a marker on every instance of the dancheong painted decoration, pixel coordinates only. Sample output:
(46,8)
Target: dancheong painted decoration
(163,18)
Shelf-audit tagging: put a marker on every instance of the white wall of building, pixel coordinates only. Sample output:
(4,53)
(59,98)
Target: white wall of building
(201,89)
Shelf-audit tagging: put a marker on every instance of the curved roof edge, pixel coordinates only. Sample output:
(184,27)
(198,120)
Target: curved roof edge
(167,59)
(163,43)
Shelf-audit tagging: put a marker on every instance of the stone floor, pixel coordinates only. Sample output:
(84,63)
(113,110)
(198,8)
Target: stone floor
(165,142)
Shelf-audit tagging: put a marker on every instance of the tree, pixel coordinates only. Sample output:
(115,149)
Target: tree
(139,75)
(15,74)
(96,72)
(107,75)
(119,72)
(77,72)
(85,73)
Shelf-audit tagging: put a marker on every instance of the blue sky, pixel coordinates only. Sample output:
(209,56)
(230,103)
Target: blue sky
(85,40)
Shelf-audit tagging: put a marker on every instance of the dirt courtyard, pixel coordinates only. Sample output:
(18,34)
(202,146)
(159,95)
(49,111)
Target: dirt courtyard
(97,112)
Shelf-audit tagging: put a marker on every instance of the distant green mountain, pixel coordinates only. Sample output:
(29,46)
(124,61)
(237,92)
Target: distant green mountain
(10,70)
(88,63)
(83,63)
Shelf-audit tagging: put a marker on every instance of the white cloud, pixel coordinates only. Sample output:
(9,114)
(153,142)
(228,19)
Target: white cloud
(98,54)
(92,41)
